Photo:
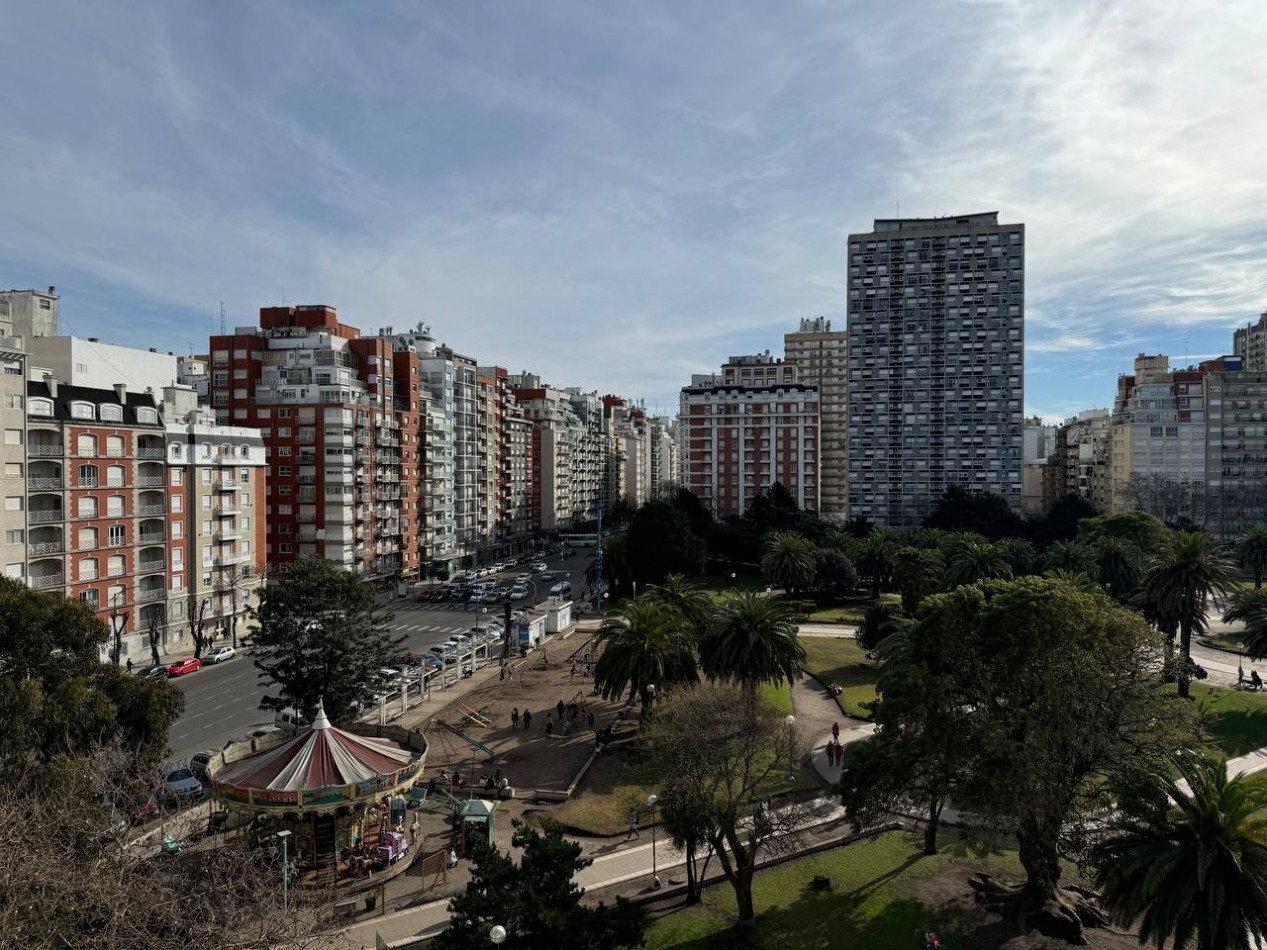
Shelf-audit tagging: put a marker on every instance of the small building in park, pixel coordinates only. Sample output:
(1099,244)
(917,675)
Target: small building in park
(331,788)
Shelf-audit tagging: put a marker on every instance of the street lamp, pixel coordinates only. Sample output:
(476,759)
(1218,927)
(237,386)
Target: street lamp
(732,578)
(791,727)
(652,800)
(285,839)
(497,935)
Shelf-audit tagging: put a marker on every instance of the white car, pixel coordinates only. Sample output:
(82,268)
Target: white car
(519,592)
(219,655)
(180,784)
(541,567)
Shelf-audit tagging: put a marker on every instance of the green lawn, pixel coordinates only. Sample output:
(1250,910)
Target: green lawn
(850,609)
(841,660)
(778,695)
(873,903)
(1237,721)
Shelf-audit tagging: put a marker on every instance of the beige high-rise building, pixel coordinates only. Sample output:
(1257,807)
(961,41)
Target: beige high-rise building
(13,449)
(820,355)
(1250,344)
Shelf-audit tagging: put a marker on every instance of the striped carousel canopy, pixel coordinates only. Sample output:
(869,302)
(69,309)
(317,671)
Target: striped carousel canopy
(320,757)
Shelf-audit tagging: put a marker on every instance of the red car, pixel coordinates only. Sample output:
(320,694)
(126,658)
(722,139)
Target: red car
(187,665)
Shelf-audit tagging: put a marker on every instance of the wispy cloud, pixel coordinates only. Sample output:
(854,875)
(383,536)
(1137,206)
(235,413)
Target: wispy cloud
(617,196)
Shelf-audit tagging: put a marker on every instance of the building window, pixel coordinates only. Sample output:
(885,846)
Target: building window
(178,530)
(111,413)
(13,401)
(90,598)
(118,536)
(147,416)
(16,536)
(12,469)
(40,407)
(87,539)
(115,446)
(87,508)
(116,476)
(86,446)
(87,476)
(178,477)
(116,507)
(15,570)
(177,503)
(12,436)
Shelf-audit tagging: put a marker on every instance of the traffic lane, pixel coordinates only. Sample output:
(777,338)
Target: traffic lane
(221,703)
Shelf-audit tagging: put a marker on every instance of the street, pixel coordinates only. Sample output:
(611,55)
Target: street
(222,701)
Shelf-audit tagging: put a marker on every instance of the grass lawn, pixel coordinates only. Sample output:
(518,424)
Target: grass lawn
(1237,721)
(618,781)
(873,901)
(778,695)
(840,660)
(850,609)
(1224,641)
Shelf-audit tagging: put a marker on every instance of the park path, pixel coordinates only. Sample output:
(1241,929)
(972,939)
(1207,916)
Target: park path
(816,710)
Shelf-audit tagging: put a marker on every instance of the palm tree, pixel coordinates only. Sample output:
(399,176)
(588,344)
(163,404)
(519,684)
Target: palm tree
(970,561)
(877,558)
(1067,556)
(1118,567)
(647,644)
(790,561)
(1250,608)
(1252,552)
(1076,579)
(687,599)
(1179,583)
(1192,864)
(752,641)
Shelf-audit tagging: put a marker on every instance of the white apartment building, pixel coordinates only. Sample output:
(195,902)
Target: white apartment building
(96,365)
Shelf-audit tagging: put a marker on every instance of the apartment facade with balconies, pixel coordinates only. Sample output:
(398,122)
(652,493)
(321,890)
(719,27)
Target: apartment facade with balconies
(97,506)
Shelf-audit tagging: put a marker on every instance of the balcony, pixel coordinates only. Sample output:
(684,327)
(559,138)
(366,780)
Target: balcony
(49,516)
(111,453)
(150,511)
(150,567)
(151,453)
(151,481)
(45,483)
(226,510)
(227,484)
(41,450)
(149,596)
(47,547)
(151,537)
(47,581)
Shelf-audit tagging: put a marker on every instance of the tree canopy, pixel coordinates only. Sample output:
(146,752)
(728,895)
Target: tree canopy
(659,542)
(648,643)
(322,637)
(982,513)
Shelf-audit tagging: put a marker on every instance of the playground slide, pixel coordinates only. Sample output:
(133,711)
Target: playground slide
(473,743)
(478,719)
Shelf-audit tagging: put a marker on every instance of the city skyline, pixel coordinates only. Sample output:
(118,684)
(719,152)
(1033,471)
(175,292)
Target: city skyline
(617,200)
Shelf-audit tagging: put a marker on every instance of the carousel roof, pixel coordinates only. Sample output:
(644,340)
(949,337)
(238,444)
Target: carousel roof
(320,757)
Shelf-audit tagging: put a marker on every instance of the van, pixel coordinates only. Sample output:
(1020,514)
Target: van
(290,719)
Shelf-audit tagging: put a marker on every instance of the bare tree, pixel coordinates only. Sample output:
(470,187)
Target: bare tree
(724,751)
(152,633)
(70,876)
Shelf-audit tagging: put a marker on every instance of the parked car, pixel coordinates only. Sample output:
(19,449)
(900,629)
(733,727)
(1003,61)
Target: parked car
(220,654)
(519,592)
(263,732)
(189,664)
(181,785)
(290,719)
(153,673)
(200,762)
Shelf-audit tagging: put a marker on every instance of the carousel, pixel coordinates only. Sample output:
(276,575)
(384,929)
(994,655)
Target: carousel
(334,791)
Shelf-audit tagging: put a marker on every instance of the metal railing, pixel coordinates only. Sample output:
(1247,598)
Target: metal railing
(46,581)
(46,517)
(44,482)
(45,451)
(149,596)
(47,547)
(149,567)
(150,510)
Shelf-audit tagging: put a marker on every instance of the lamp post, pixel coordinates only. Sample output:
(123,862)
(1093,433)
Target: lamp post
(285,839)
(732,578)
(791,727)
(652,800)
(497,935)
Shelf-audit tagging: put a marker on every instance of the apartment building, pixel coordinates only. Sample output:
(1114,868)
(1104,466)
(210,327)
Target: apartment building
(1250,344)
(935,363)
(661,450)
(1236,447)
(194,372)
(1078,461)
(31,313)
(98,505)
(13,448)
(820,355)
(90,362)
(505,449)
(217,486)
(738,440)
(341,430)
(1158,440)
(625,427)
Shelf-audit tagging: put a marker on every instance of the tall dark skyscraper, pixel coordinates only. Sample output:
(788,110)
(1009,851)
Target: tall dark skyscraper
(936,363)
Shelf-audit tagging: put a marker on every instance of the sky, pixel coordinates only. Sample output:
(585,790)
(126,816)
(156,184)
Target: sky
(616,196)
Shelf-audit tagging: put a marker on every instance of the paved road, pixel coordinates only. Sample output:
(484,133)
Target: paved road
(222,702)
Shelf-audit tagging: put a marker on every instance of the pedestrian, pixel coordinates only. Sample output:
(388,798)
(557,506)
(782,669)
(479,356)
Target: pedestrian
(558,707)
(835,731)
(453,859)
(585,673)
(502,675)
(633,825)
(830,749)
(840,753)
(514,718)
(590,720)
(1240,672)
(572,675)
(549,724)
(129,664)
(1255,679)
(527,718)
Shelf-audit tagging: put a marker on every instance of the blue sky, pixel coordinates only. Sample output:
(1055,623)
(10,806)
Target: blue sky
(618,195)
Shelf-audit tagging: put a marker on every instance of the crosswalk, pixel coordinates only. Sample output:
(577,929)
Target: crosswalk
(430,628)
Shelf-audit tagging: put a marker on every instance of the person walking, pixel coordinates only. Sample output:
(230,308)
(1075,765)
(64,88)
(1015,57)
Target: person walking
(527,718)
(549,724)
(835,732)
(840,754)
(633,825)
(129,664)
(558,708)
(514,718)
(590,720)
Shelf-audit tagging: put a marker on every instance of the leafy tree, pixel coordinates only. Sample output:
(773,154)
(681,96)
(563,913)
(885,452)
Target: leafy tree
(919,753)
(58,701)
(1189,865)
(789,561)
(1188,570)
(1057,692)
(919,573)
(1020,554)
(720,752)
(648,643)
(935,539)
(969,561)
(983,513)
(1249,607)
(878,622)
(1061,521)
(834,572)
(1252,552)
(536,900)
(660,542)
(1120,567)
(734,541)
(752,641)
(688,600)
(1140,528)
(1075,579)
(321,638)
(859,526)
(1068,556)
(698,518)
(877,558)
